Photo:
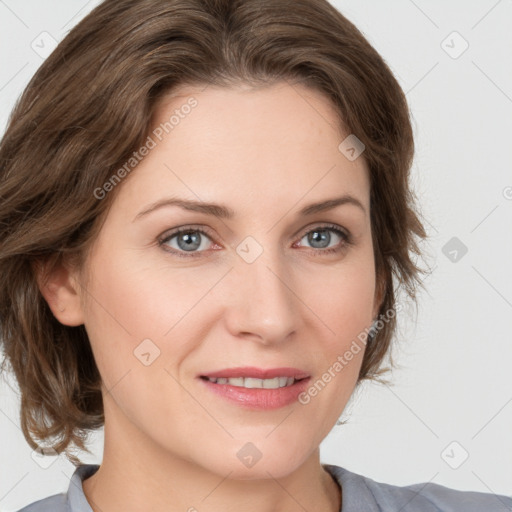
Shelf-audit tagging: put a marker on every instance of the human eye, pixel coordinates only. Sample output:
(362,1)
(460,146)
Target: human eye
(186,241)
(191,241)
(320,238)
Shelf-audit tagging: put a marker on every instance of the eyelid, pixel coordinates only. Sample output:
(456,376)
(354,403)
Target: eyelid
(187,227)
(321,225)
(342,232)
(169,234)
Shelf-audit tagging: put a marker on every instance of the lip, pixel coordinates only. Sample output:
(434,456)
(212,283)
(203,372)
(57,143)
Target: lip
(257,398)
(257,373)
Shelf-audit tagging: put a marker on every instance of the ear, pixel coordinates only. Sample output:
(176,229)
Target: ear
(380,293)
(59,285)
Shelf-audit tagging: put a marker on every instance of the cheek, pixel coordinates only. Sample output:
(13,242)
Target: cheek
(135,308)
(344,307)
(132,300)
(342,297)
(139,299)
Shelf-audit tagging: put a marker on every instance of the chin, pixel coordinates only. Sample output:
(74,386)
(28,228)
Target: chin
(249,462)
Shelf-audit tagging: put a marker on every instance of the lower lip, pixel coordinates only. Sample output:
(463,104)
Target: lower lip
(258,398)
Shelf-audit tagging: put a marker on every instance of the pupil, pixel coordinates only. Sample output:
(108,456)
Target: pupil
(189,241)
(320,236)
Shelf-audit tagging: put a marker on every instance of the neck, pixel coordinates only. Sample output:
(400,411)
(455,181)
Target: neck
(137,475)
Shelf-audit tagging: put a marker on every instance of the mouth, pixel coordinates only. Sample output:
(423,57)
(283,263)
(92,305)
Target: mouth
(253,377)
(254,383)
(256,388)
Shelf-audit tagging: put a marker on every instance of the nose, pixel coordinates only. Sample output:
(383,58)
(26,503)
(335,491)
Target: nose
(261,302)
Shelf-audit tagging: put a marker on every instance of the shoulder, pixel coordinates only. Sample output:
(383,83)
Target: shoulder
(429,496)
(419,497)
(55,503)
(73,500)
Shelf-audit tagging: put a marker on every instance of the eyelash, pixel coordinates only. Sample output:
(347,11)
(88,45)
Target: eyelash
(345,236)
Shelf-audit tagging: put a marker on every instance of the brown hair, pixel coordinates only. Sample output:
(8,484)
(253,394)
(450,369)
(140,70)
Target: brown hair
(106,77)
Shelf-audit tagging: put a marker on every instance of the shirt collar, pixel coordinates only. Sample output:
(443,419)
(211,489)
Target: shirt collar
(355,493)
(77,501)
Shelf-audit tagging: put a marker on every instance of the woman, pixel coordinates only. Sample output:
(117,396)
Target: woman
(206,215)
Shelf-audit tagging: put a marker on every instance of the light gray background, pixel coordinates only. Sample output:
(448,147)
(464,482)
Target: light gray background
(452,395)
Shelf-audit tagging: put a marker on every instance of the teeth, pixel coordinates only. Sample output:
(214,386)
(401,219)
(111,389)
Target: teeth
(250,382)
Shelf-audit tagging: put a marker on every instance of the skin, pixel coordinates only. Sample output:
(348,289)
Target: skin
(170,444)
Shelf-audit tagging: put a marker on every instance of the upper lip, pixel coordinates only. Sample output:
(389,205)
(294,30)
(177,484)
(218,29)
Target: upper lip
(257,373)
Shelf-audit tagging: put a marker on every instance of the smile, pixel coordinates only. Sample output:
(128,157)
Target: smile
(251,382)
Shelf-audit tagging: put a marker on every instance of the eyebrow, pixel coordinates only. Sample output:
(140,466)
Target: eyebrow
(224,212)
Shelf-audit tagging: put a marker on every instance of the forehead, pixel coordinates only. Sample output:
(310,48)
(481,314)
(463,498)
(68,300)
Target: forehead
(244,146)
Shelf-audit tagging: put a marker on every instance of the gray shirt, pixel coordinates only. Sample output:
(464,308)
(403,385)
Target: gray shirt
(360,494)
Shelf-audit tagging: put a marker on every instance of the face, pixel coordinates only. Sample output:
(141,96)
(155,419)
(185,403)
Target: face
(254,282)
